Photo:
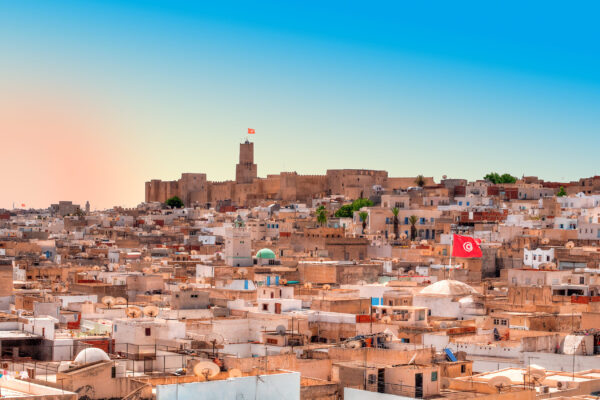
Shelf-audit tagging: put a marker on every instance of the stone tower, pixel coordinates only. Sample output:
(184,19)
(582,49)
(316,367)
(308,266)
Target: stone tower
(246,170)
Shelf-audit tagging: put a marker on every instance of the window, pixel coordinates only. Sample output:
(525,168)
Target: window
(463,369)
(148,331)
(581,280)
(372,379)
(433,376)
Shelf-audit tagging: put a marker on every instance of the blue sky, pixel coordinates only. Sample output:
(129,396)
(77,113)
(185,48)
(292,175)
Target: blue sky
(150,89)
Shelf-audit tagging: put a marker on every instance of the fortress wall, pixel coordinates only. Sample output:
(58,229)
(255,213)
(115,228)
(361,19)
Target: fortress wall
(219,191)
(193,188)
(403,183)
(309,186)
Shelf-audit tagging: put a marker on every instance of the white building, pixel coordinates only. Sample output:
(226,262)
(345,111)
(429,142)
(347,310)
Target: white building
(533,258)
(443,298)
(238,245)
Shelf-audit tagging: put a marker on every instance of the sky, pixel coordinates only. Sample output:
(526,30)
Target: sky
(97,97)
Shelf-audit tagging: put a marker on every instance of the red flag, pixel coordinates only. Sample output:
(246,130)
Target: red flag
(466,247)
(251,131)
(23,205)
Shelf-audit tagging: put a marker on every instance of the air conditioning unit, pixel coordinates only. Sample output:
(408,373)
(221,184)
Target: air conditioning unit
(544,389)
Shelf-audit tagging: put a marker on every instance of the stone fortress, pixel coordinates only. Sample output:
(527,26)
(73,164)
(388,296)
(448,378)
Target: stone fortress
(250,190)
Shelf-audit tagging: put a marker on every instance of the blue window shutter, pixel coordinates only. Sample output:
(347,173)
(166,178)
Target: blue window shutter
(246,284)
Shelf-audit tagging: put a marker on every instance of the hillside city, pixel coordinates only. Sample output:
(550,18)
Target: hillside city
(348,285)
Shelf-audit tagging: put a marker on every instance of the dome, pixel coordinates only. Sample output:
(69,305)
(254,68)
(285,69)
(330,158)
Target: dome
(449,287)
(265,254)
(467,300)
(91,355)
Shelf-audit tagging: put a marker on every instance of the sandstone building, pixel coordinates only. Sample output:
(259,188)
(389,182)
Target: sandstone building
(248,189)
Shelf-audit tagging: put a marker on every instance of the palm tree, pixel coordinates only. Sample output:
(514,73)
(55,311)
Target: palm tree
(363,215)
(412,220)
(321,215)
(395,211)
(420,180)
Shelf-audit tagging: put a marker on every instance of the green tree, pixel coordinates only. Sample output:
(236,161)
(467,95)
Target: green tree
(496,178)
(420,180)
(561,192)
(344,211)
(363,215)
(360,203)
(174,202)
(347,210)
(507,178)
(321,215)
(412,220)
(395,211)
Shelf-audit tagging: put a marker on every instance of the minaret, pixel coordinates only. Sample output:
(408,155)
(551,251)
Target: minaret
(246,170)
(87,207)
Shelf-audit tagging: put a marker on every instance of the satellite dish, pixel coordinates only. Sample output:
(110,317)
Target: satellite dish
(354,344)
(413,359)
(108,301)
(423,242)
(214,339)
(156,298)
(281,330)
(133,312)
(308,285)
(151,311)
(183,286)
(155,268)
(386,319)
(326,287)
(500,382)
(545,240)
(146,270)
(242,271)
(283,281)
(235,373)
(206,369)
(569,245)
(96,268)
(120,301)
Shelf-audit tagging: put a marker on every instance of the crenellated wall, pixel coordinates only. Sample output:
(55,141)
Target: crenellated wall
(248,190)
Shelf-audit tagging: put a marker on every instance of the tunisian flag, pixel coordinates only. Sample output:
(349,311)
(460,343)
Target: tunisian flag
(251,131)
(466,247)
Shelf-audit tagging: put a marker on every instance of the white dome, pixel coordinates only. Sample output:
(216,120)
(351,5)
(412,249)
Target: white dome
(91,355)
(449,287)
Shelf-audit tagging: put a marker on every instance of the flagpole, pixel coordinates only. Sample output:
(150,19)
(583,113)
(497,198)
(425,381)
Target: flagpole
(451,248)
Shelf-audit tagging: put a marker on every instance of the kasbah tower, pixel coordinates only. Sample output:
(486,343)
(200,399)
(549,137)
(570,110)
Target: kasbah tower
(248,190)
